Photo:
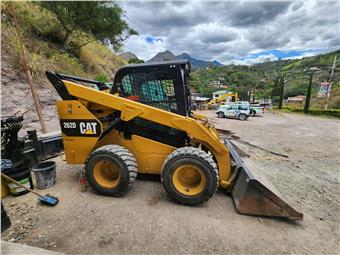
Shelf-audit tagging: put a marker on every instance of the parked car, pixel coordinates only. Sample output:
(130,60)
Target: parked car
(256,109)
(238,110)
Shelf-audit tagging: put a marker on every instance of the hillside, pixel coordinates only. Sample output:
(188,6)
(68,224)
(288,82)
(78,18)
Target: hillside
(41,34)
(196,63)
(260,78)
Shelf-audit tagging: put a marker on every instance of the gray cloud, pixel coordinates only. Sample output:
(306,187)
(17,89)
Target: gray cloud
(254,13)
(228,31)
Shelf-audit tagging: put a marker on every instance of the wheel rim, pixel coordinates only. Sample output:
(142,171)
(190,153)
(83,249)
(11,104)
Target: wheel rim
(189,180)
(106,174)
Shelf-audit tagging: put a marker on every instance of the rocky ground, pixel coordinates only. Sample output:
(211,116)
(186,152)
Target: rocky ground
(147,221)
(16,97)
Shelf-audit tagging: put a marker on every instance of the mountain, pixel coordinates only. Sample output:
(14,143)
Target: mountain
(196,63)
(216,63)
(162,56)
(128,55)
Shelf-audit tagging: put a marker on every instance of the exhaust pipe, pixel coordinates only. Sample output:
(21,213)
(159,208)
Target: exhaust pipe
(252,196)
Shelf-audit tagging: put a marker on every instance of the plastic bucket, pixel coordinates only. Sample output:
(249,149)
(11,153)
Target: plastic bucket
(16,190)
(22,175)
(45,174)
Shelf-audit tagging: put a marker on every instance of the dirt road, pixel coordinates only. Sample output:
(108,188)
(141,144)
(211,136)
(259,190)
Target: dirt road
(147,221)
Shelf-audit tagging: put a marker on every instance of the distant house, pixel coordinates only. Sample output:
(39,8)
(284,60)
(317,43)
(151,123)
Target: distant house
(218,84)
(299,98)
(295,100)
(200,102)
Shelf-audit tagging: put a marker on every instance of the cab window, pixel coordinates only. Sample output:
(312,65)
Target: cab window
(156,89)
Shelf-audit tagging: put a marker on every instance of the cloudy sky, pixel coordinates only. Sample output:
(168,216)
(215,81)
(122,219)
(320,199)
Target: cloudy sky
(240,32)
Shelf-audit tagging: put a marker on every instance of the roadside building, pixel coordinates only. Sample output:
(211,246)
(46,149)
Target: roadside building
(295,101)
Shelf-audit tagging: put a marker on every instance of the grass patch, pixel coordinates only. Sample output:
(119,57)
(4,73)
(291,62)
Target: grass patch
(98,59)
(317,112)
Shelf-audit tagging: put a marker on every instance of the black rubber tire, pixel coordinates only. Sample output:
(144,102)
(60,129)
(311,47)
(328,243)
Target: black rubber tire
(220,115)
(242,116)
(122,158)
(195,156)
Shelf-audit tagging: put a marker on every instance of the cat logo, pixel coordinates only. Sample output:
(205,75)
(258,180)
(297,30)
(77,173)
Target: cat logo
(77,127)
(88,128)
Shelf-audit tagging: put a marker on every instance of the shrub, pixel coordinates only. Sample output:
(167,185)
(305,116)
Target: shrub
(101,78)
(135,61)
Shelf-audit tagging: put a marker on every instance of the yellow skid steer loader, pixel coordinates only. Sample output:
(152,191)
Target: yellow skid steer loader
(143,124)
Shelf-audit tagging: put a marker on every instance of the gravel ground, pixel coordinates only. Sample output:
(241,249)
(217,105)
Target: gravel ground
(146,220)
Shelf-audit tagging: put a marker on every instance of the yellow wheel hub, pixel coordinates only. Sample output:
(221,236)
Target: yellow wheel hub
(106,174)
(189,180)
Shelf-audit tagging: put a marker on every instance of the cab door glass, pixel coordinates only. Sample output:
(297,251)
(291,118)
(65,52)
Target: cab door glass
(152,88)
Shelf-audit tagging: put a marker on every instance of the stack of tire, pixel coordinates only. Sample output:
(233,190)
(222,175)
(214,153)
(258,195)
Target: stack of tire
(19,173)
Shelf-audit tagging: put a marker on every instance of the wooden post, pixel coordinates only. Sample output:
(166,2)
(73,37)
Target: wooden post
(330,84)
(28,72)
(309,91)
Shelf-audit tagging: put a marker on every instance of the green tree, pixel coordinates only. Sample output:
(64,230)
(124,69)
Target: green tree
(102,20)
(135,61)
(210,65)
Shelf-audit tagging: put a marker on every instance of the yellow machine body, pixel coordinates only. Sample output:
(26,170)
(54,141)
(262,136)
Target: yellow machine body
(149,154)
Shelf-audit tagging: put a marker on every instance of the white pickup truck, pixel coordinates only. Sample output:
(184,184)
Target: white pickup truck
(237,110)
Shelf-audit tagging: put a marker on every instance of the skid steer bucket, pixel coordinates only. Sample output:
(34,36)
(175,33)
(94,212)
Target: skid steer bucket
(253,195)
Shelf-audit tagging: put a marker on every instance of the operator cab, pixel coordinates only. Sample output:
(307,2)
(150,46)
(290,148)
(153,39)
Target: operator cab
(162,85)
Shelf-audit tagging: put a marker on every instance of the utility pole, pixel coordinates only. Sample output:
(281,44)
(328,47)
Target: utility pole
(309,91)
(28,72)
(330,84)
(282,82)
